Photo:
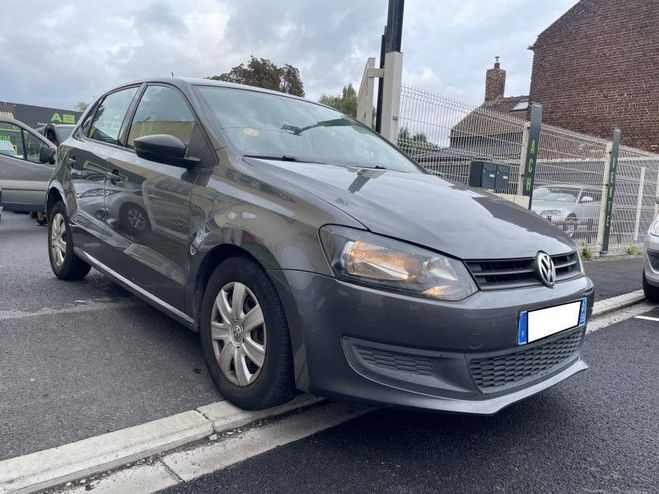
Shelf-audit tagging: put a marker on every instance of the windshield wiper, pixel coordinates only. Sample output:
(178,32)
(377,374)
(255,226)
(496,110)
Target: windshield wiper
(281,157)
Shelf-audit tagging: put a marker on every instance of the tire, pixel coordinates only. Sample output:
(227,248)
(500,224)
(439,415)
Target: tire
(651,292)
(63,261)
(240,346)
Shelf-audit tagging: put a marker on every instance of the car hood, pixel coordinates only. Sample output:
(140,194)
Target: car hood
(427,210)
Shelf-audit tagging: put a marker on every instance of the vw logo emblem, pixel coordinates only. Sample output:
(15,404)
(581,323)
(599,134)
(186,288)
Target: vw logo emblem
(546,269)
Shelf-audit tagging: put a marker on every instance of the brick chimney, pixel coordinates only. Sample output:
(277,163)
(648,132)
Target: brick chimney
(495,82)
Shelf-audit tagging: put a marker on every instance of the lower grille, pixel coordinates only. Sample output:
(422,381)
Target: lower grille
(493,372)
(396,361)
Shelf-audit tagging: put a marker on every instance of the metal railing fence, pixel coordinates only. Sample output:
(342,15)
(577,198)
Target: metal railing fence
(445,136)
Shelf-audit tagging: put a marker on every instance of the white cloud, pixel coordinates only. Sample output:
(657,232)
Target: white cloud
(77,49)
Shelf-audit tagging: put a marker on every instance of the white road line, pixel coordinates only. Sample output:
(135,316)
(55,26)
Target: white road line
(620,315)
(89,306)
(648,318)
(101,453)
(188,464)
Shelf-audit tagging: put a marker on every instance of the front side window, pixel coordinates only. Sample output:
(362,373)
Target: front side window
(269,125)
(33,147)
(11,140)
(106,122)
(162,110)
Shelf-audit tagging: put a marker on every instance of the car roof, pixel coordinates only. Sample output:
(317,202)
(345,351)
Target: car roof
(187,82)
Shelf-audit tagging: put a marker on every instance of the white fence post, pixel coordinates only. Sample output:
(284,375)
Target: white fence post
(522,159)
(391,88)
(639,204)
(365,94)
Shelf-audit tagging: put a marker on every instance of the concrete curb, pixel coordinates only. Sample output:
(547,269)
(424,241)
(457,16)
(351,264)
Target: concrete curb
(79,459)
(616,303)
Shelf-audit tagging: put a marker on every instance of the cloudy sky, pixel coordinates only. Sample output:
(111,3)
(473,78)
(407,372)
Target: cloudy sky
(56,53)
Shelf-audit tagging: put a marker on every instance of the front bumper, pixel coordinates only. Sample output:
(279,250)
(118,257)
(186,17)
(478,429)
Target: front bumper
(651,264)
(358,343)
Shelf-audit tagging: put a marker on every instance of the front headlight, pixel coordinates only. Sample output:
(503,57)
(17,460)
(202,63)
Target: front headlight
(654,229)
(362,257)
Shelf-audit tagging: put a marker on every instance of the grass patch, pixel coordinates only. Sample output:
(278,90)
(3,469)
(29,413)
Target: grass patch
(586,254)
(632,250)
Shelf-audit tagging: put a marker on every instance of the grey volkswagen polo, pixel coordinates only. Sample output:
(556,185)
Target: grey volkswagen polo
(311,254)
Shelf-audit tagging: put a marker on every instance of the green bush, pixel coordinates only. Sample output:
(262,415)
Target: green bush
(586,254)
(632,250)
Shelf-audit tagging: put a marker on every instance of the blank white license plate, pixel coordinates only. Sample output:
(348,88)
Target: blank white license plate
(545,322)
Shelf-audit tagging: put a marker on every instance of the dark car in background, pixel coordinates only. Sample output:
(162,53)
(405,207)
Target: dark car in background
(56,133)
(312,254)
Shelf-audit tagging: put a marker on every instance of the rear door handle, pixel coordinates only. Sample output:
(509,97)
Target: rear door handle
(114,177)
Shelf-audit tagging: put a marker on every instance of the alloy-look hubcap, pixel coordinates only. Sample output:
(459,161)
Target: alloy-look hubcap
(238,333)
(58,239)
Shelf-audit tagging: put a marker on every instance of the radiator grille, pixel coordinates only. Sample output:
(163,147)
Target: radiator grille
(498,371)
(515,273)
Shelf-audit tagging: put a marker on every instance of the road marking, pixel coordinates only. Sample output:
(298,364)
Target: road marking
(88,306)
(97,454)
(188,464)
(648,318)
(620,315)
(615,303)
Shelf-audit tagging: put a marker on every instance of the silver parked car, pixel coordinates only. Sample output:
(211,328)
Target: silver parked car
(26,165)
(567,206)
(651,264)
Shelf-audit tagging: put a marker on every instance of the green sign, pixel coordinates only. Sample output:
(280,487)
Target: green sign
(532,151)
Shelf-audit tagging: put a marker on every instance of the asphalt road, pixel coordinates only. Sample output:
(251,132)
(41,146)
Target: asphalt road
(615,276)
(79,359)
(597,432)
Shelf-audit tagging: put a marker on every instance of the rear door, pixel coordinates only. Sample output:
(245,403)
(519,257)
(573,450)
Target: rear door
(148,203)
(86,156)
(23,178)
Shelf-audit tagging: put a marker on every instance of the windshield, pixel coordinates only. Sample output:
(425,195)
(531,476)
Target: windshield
(556,194)
(268,125)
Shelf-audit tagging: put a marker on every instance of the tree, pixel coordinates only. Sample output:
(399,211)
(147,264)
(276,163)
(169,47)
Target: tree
(346,103)
(80,106)
(413,144)
(263,73)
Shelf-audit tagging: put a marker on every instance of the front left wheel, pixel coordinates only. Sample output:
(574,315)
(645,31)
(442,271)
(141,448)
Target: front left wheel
(63,261)
(245,338)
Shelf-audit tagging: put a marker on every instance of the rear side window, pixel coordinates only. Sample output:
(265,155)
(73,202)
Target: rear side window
(162,110)
(106,122)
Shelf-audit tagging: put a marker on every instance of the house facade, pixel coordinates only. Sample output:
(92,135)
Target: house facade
(597,67)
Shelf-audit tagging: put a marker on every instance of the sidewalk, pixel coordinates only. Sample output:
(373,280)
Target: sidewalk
(615,276)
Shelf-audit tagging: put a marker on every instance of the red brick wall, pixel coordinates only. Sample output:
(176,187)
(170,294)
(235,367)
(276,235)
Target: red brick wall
(597,67)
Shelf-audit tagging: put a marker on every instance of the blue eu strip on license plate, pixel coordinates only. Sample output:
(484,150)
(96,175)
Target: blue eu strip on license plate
(538,324)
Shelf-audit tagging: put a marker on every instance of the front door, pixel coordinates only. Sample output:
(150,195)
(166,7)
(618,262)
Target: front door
(23,178)
(148,203)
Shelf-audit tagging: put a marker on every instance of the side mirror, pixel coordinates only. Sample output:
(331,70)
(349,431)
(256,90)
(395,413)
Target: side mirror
(586,199)
(163,148)
(47,155)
